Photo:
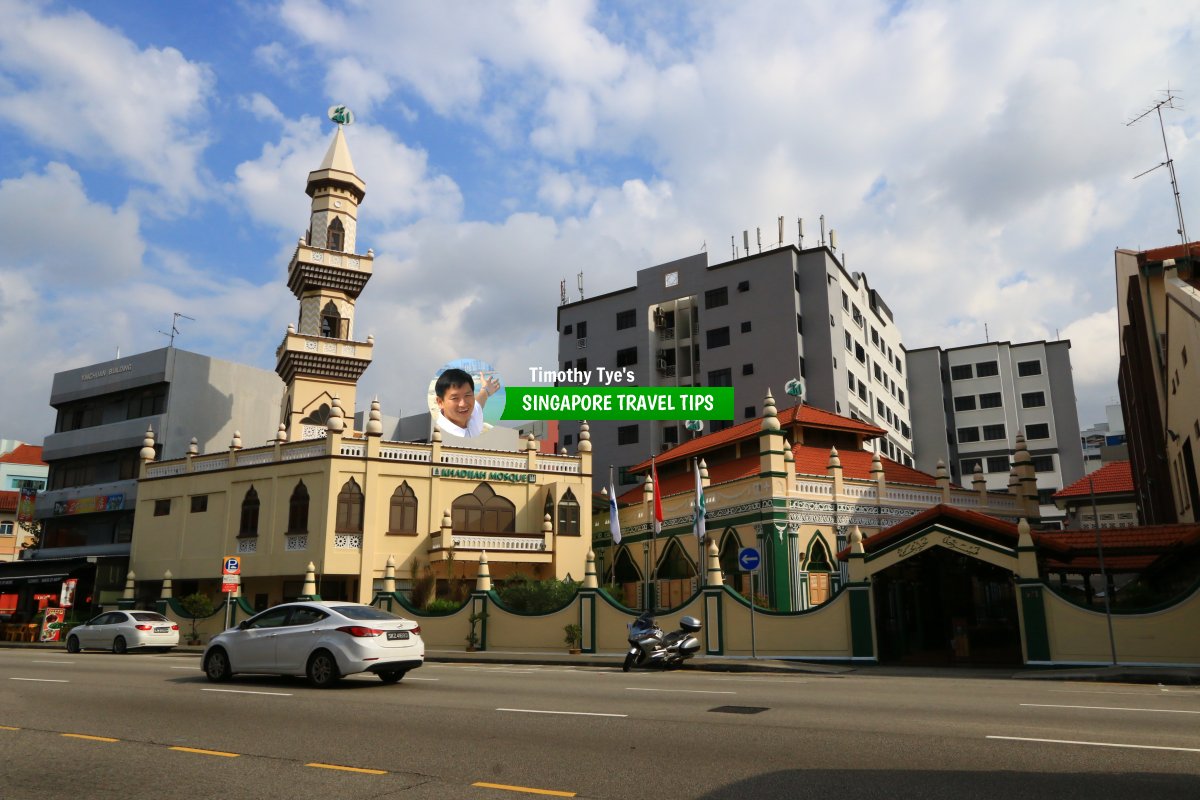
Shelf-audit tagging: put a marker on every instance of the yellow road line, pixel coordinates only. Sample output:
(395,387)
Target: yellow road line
(205,752)
(8,728)
(89,738)
(526,789)
(348,769)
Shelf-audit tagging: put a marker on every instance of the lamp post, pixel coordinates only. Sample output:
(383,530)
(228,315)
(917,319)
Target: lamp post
(1112,641)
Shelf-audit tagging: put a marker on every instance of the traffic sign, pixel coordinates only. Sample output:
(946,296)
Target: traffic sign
(748,559)
(230,583)
(232,566)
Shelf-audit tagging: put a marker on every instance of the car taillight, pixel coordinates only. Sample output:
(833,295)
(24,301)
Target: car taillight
(359,631)
(174,627)
(416,630)
(144,627)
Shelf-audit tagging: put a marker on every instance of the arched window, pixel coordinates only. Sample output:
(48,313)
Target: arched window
(349,508)
(625,569)
(337,235)
(728,555)
(818,556)
(332,324)
(248,526)
(403,515)
(483,511)
(675,563)
(298,509)
(568,515)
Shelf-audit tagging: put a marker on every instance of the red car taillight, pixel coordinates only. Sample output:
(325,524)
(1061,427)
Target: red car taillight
(359,631)
(174,627)
(416,630)
(144,627)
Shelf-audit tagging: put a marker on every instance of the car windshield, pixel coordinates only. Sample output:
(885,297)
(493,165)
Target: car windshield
(365,612)
(149,616)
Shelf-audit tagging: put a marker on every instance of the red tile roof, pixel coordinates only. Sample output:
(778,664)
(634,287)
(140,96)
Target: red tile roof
(25,454)
(989,527)
(1172,251)
(8,501)
(809,461)
(1114,478)
(798,415)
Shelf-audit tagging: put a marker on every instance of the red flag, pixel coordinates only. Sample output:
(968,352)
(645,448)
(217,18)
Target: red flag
(657,499)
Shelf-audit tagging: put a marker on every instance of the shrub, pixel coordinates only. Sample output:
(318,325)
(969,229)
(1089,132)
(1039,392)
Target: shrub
(526,596)
(443,605)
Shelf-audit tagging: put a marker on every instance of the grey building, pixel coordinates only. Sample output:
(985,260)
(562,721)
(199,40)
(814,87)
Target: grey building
(753,323)
(104,411)
(970,403)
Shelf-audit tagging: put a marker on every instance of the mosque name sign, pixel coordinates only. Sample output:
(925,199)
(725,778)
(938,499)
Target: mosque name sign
(484,475)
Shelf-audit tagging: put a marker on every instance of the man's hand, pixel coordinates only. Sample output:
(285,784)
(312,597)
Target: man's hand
(490,387)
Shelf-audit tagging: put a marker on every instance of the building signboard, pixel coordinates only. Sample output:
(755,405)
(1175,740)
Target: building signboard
(89,505)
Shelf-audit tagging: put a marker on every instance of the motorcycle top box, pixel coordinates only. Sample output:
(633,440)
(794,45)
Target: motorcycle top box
(690,624)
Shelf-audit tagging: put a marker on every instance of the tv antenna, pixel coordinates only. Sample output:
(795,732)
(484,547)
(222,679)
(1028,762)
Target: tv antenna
(1168,102)
(174,327)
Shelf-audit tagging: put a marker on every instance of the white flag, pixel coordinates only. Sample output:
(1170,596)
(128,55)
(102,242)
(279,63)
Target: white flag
(614,524)
(699,504)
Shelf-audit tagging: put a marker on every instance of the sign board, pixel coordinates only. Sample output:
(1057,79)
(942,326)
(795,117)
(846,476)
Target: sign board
(232,566)
(66,595)
(52,623)
(748,559)
(230,583)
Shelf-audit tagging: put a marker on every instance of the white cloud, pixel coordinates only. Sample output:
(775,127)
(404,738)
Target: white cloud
(78,87)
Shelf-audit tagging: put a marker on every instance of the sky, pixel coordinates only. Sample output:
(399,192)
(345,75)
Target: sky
(975,160)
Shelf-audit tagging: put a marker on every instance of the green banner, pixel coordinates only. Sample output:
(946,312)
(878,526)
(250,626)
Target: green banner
(618,402)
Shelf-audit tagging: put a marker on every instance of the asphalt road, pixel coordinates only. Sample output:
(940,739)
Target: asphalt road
(98,725)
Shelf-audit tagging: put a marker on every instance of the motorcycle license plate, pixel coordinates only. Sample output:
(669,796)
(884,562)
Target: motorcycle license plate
(394,635)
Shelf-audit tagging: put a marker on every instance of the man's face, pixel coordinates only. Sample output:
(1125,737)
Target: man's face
(457,403)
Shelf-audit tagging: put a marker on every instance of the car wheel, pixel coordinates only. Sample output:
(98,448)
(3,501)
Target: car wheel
(323,669)
(216,666)
(119,645)
(73,644)
(628,662)
(392,676)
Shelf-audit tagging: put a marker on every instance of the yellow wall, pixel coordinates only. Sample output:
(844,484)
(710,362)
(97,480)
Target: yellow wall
(1080,636)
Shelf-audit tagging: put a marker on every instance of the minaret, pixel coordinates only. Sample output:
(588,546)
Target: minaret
(318,358)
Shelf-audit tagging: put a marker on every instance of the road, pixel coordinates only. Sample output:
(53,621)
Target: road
(151,726)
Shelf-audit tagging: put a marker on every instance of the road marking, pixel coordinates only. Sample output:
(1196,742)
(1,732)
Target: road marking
(1102,691)
(761,680)
(684,691)
(1111,708)
(39,680)
(8,728)
(193,669)
(205,752)
(89,738)
(246,691)
(348,769)
(53,662)
(1098,744)
(526,789)
(422,679)
(569,713)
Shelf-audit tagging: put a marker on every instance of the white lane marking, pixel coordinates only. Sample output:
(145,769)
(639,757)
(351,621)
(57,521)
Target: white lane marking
(245,691)
(1102,691)
(53,662)
(193,669)
(760,680)
(1097,744)
(1111,708)
(422,679)
(568,713)
(39,680)
(683,691)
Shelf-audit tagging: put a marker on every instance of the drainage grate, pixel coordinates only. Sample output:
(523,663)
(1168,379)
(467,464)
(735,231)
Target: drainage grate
(739,709)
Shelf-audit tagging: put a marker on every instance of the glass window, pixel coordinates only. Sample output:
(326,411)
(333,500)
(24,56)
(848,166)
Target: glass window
(1038,430)
(720,377)
(361,612)
(968,434)
(627,434)
(1033,399)
(581,330)
(968,466)
(248,522)
(747,369)
(349,508)
(483,511)
(272,618)
(964,403)
(298,509)
(199,503)
(990,400)
(961,372)
(987,369)
(993,432)
(998,464)
(402,514)
(717,337)
(746,327)
(859,353)
(1027,368)
(743,286)
(568,330)
(748,412)
(715,298)
(568,515)
(626,319)
(6,528)
(627,357)
(1043,463)
(303,615)
(162,508)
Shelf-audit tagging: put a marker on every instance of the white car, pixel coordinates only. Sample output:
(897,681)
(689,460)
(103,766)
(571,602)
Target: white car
(322,640)
(121,631)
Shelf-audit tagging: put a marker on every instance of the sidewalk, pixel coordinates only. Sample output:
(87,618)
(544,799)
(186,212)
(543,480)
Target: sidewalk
(1122,673)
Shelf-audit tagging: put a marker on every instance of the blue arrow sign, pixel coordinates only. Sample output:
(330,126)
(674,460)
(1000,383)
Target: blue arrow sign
(748,559)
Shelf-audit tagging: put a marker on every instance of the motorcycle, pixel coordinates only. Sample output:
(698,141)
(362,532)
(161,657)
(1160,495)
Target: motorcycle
(649,646)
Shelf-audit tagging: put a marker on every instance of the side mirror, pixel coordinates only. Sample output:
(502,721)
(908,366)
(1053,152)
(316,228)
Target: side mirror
(243,625)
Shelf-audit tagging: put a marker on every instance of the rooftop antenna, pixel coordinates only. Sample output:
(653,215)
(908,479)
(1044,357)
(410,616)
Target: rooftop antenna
(733,245)
(1169,102)
(822,242)
(746,241)
(174,327)
(562,292)
(780,232)
(985,333)
(800,225)
(758,233)
(579,280)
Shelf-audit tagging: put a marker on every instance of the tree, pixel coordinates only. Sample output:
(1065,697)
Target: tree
(196,605)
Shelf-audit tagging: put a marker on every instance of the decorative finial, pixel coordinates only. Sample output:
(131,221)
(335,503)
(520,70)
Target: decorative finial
(341,115)
(236,442)
(337,420)
(147,451)
(281,435)
(193,447)
(375,419)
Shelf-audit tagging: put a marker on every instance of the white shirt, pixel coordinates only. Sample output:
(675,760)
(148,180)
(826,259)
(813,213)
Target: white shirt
(474,424)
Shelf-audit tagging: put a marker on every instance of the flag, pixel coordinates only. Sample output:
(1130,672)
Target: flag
(657,499)
(700,510)
(614,524)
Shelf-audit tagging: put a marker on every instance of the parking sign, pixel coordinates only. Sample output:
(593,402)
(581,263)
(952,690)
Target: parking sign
(232,566)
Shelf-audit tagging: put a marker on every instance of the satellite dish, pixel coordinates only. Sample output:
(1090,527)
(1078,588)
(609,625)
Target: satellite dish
(794,387)
(341,115)
(694,425)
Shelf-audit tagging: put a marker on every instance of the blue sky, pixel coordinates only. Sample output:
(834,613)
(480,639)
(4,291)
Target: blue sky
(974,160)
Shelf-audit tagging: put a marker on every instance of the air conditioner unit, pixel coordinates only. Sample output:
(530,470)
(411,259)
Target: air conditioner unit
(581,343)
